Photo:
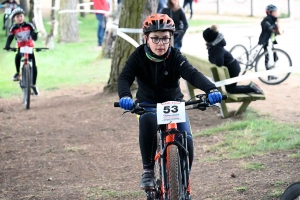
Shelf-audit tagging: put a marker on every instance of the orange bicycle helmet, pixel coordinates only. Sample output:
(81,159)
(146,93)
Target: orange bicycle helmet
(158,22)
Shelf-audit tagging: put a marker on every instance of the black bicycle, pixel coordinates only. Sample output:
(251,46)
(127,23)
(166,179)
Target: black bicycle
(171,161)
(26,77)
(262,61)
(292,192)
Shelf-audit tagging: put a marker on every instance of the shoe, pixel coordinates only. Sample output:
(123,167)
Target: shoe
(35,90)
(270,77)
(16,77)
(148,180)
(188,197)
(256,88)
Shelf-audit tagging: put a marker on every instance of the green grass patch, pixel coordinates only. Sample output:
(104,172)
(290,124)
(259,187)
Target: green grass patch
(98,192)
(253,166)
(240,189)
(295,155)
(199,22)
(67,64)
(252,135)
(275,193)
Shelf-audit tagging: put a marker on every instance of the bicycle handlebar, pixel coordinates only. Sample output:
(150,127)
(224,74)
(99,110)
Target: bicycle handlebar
(38,49)
(203,103)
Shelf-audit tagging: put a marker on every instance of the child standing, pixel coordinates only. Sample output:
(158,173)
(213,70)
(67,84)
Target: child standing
(219,56)
(24,33)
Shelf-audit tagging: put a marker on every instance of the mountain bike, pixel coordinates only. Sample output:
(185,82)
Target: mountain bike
(262,60)
(172,169)
(292,192)
(26,77)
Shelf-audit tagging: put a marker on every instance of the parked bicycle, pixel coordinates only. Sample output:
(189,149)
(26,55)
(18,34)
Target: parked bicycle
(172,169)
(292,192)
(256,58)
(26,77)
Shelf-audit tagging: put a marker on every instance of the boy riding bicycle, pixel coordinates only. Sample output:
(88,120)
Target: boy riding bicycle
(158,67)
(270,27)
(24,33)
(12,4)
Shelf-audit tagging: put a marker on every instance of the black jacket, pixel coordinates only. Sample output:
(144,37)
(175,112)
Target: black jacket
(268,26)
(177,16)
(159,81)
(221,57)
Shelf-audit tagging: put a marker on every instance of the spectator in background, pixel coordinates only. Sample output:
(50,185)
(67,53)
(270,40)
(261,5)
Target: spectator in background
(161,5)
(101,5)
(177,14)
(190,2)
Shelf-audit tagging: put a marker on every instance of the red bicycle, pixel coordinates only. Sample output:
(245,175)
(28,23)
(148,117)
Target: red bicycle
(172,169)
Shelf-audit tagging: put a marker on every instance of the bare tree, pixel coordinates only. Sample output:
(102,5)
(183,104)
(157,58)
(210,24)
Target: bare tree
(131,16)
(31,12)
(68,22)
(24,5)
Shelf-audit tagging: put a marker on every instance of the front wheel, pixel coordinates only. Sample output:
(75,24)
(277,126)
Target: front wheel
(174,173)
(26,87)
(292,192)
(281,61)
(240,53)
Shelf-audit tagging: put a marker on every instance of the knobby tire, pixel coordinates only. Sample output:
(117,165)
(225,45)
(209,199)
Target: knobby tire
(26,86)
(292,192)
(174,172)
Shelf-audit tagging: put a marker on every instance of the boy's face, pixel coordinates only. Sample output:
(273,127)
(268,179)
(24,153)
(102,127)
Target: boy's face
(19,18)
(11,1)
(274,13)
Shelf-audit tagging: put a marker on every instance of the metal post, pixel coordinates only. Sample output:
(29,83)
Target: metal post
(252,13)
(290,8)
(219,7)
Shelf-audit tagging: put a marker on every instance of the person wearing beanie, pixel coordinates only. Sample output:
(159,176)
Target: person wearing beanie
(219,56)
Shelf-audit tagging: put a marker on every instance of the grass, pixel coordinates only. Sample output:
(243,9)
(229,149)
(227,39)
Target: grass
(208,23)
(253,166)
(67,64)
(241,189)
(252,135)
(97,192)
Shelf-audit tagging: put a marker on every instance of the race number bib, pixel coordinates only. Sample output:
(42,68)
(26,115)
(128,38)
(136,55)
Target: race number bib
(28,50)
(7,10)
(170,112)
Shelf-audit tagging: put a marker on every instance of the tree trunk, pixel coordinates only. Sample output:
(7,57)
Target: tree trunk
(31,12)
(68,23)
(92,6)
(24,6)
(82,14)
(131,16)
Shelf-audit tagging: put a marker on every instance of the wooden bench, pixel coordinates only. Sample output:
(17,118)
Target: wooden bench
(219,74)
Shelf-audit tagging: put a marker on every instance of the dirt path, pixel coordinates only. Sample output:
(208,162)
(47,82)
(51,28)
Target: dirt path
(72,144)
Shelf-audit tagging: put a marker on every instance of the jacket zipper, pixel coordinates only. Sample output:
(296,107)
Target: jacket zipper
(156,73)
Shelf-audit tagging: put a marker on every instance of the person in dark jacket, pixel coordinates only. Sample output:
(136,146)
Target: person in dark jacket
(181,25)
(157,68)
(219,56)
(270,27)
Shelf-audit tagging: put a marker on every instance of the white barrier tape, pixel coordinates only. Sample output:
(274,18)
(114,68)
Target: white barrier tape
(131,30)
(256,75)
(92,11)
(127,38)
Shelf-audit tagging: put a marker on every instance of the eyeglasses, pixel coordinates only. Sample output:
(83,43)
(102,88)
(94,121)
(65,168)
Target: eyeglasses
(156,40)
